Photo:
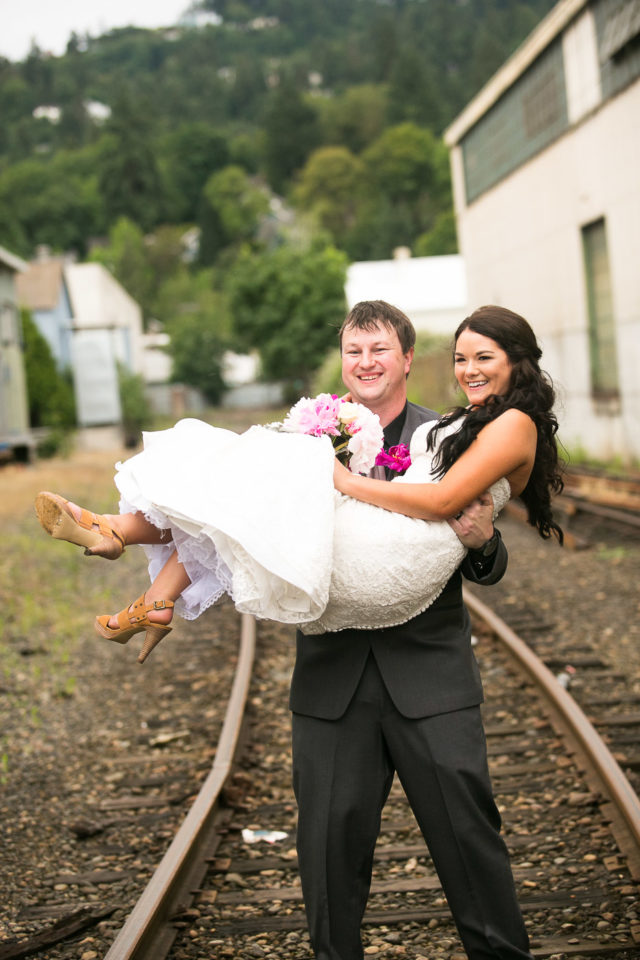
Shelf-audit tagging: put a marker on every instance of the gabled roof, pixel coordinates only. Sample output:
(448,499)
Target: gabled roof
(97,298)
(10,260)
(39,287)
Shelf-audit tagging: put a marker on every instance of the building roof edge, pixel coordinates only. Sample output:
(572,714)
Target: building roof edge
(531,48)
(13,261)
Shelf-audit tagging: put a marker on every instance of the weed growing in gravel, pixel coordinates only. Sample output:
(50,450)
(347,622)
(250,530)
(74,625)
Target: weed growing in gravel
(615,554)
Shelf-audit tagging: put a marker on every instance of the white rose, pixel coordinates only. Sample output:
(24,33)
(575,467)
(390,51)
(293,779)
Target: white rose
(349,412)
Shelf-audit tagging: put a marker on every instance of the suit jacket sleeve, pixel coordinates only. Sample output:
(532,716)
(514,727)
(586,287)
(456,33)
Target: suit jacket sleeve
(491,573)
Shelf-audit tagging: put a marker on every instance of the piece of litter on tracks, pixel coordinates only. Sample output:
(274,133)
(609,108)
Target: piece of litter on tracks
(270,836)
(565,676)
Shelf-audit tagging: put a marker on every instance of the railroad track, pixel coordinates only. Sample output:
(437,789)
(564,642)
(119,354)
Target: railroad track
(604,489)
(572,823)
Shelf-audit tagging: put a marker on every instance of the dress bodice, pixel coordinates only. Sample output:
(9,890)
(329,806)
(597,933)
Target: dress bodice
(388,568)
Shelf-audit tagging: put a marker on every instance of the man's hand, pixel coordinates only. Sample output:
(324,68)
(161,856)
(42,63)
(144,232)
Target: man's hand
(474,526)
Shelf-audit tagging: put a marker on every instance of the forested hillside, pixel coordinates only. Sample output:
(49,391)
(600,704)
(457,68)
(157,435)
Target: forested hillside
(313,122)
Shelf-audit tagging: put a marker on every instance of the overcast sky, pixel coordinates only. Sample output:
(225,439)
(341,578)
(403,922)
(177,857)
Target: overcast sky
(50,22)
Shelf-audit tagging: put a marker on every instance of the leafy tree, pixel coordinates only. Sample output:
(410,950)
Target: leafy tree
(381,41)
(380,62)
(382,225)
(291,130)
(441,239)
(287,304)
(126,257)
(356,117)
(144,265)
(129,176)
(407,186)
(407,161)
(329,187)
(248,88)
(75,126)
(246,150)
(52,201)
(37,70)
(414,93)
(199,332)
(193,153)
(231,211)
(198,354)
(16,101)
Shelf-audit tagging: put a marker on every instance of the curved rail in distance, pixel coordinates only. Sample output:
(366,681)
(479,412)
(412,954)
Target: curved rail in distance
(145,929)
(609,778)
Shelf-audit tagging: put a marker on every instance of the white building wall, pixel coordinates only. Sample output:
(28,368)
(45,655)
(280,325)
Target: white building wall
(522,246)
(100,302)
(582,73)
(107,330)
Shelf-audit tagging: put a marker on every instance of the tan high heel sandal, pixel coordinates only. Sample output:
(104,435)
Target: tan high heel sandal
(57,518)
(133,619)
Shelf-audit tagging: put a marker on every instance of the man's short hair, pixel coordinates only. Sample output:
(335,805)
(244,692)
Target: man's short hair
(369,314)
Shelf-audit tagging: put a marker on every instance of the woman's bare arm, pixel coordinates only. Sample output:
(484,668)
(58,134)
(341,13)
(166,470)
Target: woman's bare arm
(504,448)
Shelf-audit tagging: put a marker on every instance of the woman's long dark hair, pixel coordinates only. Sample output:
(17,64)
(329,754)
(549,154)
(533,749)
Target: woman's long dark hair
(530,390)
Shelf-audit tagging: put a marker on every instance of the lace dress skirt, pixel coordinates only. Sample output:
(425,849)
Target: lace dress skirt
(255,516)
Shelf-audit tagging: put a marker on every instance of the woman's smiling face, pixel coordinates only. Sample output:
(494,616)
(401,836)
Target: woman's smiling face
(482,367)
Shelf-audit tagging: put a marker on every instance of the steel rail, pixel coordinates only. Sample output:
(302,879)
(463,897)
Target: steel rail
(145,933)
(610,776)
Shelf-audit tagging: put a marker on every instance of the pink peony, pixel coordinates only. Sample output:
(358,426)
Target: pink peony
(314,415)
(355,431)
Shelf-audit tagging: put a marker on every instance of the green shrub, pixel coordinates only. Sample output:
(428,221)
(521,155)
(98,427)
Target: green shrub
(136,409)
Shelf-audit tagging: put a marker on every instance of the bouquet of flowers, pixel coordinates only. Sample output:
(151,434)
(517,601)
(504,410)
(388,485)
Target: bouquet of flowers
(354,430)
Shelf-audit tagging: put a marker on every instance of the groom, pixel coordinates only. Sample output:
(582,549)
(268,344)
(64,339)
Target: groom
(368,703)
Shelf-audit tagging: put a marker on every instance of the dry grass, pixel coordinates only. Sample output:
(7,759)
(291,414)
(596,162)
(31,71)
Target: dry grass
(49,591)
(82,475)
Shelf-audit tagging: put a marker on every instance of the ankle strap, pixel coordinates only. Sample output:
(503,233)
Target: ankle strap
(160,605)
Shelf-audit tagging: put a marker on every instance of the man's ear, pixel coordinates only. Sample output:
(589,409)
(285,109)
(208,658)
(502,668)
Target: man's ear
(408,360)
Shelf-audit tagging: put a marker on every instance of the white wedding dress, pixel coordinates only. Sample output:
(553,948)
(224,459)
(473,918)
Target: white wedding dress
(255,516)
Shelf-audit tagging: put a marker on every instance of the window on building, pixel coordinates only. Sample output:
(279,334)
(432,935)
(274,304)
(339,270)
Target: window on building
(618,32)
(602,333)
(622,28)
(530,115)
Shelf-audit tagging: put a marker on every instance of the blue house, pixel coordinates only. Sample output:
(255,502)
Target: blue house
(42,289)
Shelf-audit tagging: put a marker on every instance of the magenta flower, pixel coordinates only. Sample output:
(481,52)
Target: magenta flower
(395,458)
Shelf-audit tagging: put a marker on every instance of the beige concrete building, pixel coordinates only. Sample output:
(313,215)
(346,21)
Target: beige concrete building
(546,171)
(15,435)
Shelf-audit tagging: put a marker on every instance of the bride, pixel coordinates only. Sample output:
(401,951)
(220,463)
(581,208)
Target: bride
(274,521)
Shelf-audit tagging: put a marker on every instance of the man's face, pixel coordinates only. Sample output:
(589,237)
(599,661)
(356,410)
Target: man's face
(374,368)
